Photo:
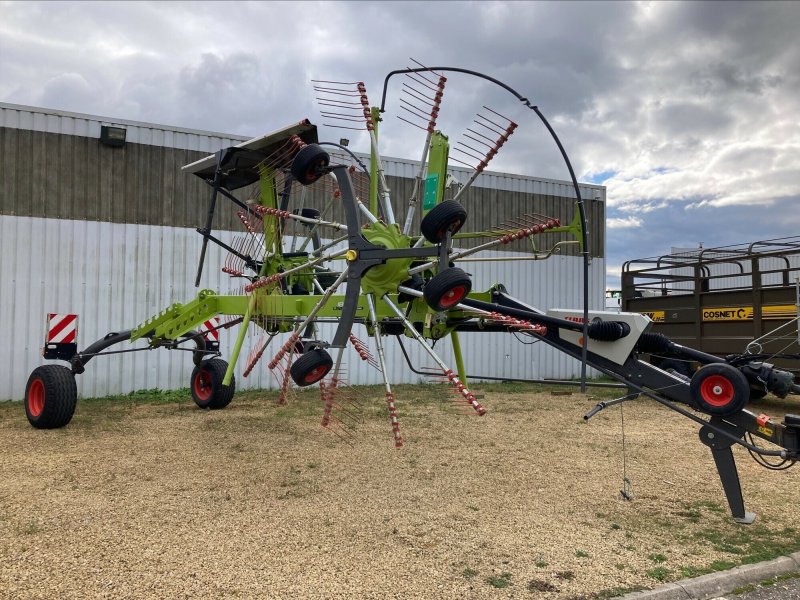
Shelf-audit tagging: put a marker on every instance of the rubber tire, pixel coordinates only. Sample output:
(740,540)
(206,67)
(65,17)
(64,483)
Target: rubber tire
(53,388)
(438,292)
(447,215)
(218,396)
(308,164)
(733,382)
(311,367)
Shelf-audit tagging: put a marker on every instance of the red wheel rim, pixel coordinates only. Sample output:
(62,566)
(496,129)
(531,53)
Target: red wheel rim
(453,296)
(315,374)
(36,398)
(202,386)
(717,390)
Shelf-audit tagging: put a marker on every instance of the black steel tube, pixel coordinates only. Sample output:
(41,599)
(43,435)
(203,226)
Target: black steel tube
(79,361)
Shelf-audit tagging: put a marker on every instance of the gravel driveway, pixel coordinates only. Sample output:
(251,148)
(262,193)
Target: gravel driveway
(162,500)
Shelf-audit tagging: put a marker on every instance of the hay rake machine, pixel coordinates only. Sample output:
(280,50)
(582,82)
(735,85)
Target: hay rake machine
(301,269)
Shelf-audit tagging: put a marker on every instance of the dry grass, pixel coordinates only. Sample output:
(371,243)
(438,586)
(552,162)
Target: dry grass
(152,498)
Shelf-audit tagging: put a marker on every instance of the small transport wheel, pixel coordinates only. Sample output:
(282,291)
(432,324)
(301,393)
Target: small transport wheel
(446,289)
(50,397)
(310,367)
(206,384)
(445,216)
(720,389)
(308,164)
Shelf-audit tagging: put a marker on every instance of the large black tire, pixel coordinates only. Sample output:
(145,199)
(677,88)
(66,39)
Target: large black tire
(309,164)
(720,389)
(445,216)
(50,397)
(206,384)
(446,289)
(311,367)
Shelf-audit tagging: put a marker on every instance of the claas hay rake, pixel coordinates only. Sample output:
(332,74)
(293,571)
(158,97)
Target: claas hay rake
(322,250)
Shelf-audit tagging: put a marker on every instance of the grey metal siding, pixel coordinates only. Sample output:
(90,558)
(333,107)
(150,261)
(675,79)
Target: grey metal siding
(64,176)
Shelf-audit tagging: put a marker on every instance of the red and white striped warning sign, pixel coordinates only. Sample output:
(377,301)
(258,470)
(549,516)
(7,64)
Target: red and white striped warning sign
(207,327)
(62,329)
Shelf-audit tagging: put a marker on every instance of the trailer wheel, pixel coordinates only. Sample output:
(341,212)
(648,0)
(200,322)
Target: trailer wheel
(206,384)
(445,216)
(312,366)
(308,164)
(446,289)
(50,397)
(720,389)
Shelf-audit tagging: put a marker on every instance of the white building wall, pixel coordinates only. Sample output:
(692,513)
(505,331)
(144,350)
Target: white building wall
(115,276)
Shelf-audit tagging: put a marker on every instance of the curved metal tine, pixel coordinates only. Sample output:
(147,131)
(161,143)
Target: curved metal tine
(485,141)
(498,114)
(464,152)
(279,157)
(418,75)
(467,395)
(415,93)
(414,110)
(398,439)
(461,162)
(256,354)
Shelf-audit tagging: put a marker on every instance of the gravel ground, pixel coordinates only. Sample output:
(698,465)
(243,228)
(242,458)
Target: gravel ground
(144,500)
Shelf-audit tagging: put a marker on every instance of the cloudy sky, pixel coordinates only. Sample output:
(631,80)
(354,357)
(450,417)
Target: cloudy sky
(688,112)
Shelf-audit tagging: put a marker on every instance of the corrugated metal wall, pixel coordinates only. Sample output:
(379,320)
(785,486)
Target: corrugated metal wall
(53,166)
(117,275)
(108,234)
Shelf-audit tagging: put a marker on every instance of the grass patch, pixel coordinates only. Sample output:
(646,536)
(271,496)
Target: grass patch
(469,573)
(753,544)
(581,554)
(31,527)
(658,558)
(499,581)
(659,573)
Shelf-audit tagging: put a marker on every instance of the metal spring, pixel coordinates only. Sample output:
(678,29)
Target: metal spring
(518,323)
(287,346)
(398,439)
(462,389)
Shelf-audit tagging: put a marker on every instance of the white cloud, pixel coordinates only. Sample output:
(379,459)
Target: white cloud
(626,223)
(691,107)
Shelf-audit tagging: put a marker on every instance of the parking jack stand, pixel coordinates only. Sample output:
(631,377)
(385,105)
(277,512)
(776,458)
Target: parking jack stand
(726,467)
